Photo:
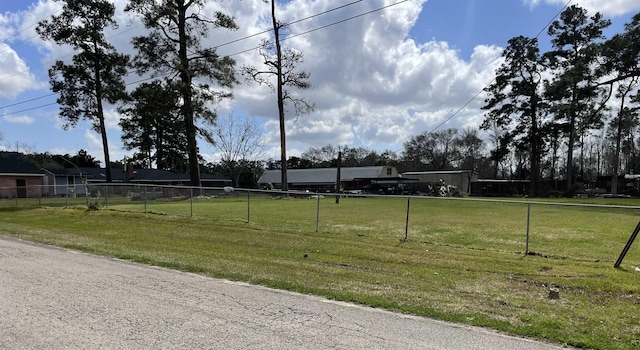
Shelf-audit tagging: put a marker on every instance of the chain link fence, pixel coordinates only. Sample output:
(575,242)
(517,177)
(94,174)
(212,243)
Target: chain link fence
(589,232)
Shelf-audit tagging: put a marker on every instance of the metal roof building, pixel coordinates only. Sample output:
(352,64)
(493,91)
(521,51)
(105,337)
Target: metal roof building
(322,179)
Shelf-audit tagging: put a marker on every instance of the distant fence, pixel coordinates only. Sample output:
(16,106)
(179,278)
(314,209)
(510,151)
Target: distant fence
(591,232)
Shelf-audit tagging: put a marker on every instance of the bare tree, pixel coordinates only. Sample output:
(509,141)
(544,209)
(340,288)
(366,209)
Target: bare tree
(281,64)
(321,156)
(239,144)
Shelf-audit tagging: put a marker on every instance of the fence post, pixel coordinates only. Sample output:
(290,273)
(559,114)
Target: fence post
(145,197)
(248,205)
(106,197)
(66,198)
(406,226)
(317,212)
(191,202)
(526,249)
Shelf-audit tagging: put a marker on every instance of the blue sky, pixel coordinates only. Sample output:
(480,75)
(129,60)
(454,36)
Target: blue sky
(378,79)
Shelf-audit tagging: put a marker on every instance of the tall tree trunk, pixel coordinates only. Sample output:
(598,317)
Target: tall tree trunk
(101,124)
(535,149)
(616,154)
(283,138)
(105,144)
(187,107)
(569,165)
(572,140)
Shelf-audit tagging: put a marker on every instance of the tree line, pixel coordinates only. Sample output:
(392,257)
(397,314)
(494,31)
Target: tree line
(578,99)
(570,113)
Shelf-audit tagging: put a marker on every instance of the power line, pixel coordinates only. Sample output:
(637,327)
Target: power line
(64,56)
(288,24)
(247,37)
(325,26)
(29,109)
(27,101)
(215,47)
(487,85)
(29,26)
(233,41)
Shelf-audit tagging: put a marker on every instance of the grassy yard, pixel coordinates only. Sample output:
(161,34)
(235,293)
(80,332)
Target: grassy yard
(463,261)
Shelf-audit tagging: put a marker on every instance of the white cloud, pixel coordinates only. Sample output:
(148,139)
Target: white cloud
(93,145)
(93,139)
(111,119)
(19,119)
(607,8)
(15,76)
(374,86)
(7,22)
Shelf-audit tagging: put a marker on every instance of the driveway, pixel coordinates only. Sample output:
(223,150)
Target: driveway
(52,298)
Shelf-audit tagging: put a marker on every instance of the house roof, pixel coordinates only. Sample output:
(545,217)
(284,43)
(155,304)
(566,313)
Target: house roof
(322,175)
(155,175)
(92,174)
(17,164)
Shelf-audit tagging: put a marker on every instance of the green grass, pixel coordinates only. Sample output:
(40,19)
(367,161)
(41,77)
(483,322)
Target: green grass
(463,261)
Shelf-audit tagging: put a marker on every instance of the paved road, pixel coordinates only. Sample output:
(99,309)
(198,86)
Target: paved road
(53,298)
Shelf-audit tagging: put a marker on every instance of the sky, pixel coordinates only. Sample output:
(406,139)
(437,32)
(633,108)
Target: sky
(378,79)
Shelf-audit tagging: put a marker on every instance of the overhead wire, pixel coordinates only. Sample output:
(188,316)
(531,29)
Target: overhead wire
(64,56)
(325,26)
(32,25)
(215,47)
(488,84)
(231,42)
(289,23)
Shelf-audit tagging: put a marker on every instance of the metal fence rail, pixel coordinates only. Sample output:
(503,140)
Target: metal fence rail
(591,232)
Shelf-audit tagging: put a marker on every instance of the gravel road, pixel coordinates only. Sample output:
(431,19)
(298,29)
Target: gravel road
(52,298)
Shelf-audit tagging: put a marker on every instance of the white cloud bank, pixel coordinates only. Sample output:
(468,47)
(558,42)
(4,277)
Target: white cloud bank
(374,86)
(15,76)
(605,7)
(18,119)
